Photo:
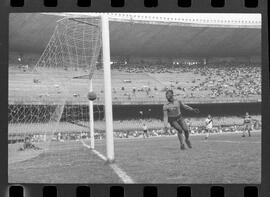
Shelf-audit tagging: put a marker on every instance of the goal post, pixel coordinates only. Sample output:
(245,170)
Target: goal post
(107,87)
(57,110)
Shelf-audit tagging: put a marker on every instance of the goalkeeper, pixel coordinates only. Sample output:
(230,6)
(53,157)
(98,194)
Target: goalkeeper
(172,114)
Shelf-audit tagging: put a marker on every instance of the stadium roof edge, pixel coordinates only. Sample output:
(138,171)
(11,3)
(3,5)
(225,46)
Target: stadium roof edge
(31,32)
(199,20)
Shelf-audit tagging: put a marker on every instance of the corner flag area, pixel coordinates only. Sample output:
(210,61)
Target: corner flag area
(223,158)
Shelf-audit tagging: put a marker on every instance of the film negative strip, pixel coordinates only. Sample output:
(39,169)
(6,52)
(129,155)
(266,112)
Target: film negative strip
(131,98)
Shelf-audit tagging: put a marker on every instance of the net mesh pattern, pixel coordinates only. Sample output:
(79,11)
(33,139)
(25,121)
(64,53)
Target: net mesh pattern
(44,115)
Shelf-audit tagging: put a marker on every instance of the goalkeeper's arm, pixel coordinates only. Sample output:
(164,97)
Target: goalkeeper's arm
(186,107)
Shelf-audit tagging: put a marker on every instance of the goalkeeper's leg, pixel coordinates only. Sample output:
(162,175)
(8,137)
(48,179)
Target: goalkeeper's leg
(176,125)
(185,128)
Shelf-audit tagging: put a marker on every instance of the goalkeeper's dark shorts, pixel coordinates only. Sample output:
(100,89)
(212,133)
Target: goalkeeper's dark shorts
(178,119)
(178,123)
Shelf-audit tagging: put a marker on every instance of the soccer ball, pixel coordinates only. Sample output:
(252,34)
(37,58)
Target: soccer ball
(91,96)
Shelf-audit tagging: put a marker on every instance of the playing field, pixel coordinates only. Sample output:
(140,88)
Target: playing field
(223,158)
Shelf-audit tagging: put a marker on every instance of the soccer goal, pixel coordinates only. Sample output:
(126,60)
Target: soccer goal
(54,112)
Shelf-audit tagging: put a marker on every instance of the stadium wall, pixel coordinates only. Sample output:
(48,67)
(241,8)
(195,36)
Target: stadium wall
(184,60)
(149,60)
(247,60)
(129,112)
(162,60)
(31,59)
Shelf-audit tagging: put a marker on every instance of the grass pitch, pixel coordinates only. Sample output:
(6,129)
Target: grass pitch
(223,158)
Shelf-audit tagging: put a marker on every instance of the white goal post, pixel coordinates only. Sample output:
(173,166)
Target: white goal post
(107,92)
(105,37)
(107,87)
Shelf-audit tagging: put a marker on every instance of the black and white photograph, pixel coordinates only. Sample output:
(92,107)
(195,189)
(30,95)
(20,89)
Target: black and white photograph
(163,98)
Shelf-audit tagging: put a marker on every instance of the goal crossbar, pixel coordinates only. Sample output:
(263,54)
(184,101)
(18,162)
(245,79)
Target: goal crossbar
(76,20)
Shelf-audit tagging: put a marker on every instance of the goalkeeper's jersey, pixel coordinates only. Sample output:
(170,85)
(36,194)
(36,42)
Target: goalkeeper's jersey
(173,108)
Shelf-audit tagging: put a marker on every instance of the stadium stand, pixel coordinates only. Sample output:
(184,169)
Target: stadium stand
(194,83)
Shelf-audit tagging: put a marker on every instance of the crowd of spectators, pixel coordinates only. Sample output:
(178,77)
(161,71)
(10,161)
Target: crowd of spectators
(208,81)
(77,135)
(230,80)
(142,68)
(193,130)
(211,80)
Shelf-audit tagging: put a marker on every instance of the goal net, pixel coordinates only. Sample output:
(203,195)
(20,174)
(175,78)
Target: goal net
(52,110)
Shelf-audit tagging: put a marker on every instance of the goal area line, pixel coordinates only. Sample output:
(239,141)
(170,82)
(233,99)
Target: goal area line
(120,173)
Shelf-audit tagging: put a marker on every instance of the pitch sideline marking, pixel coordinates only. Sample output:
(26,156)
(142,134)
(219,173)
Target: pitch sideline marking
(87,146)
(100,155)
(120,173)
